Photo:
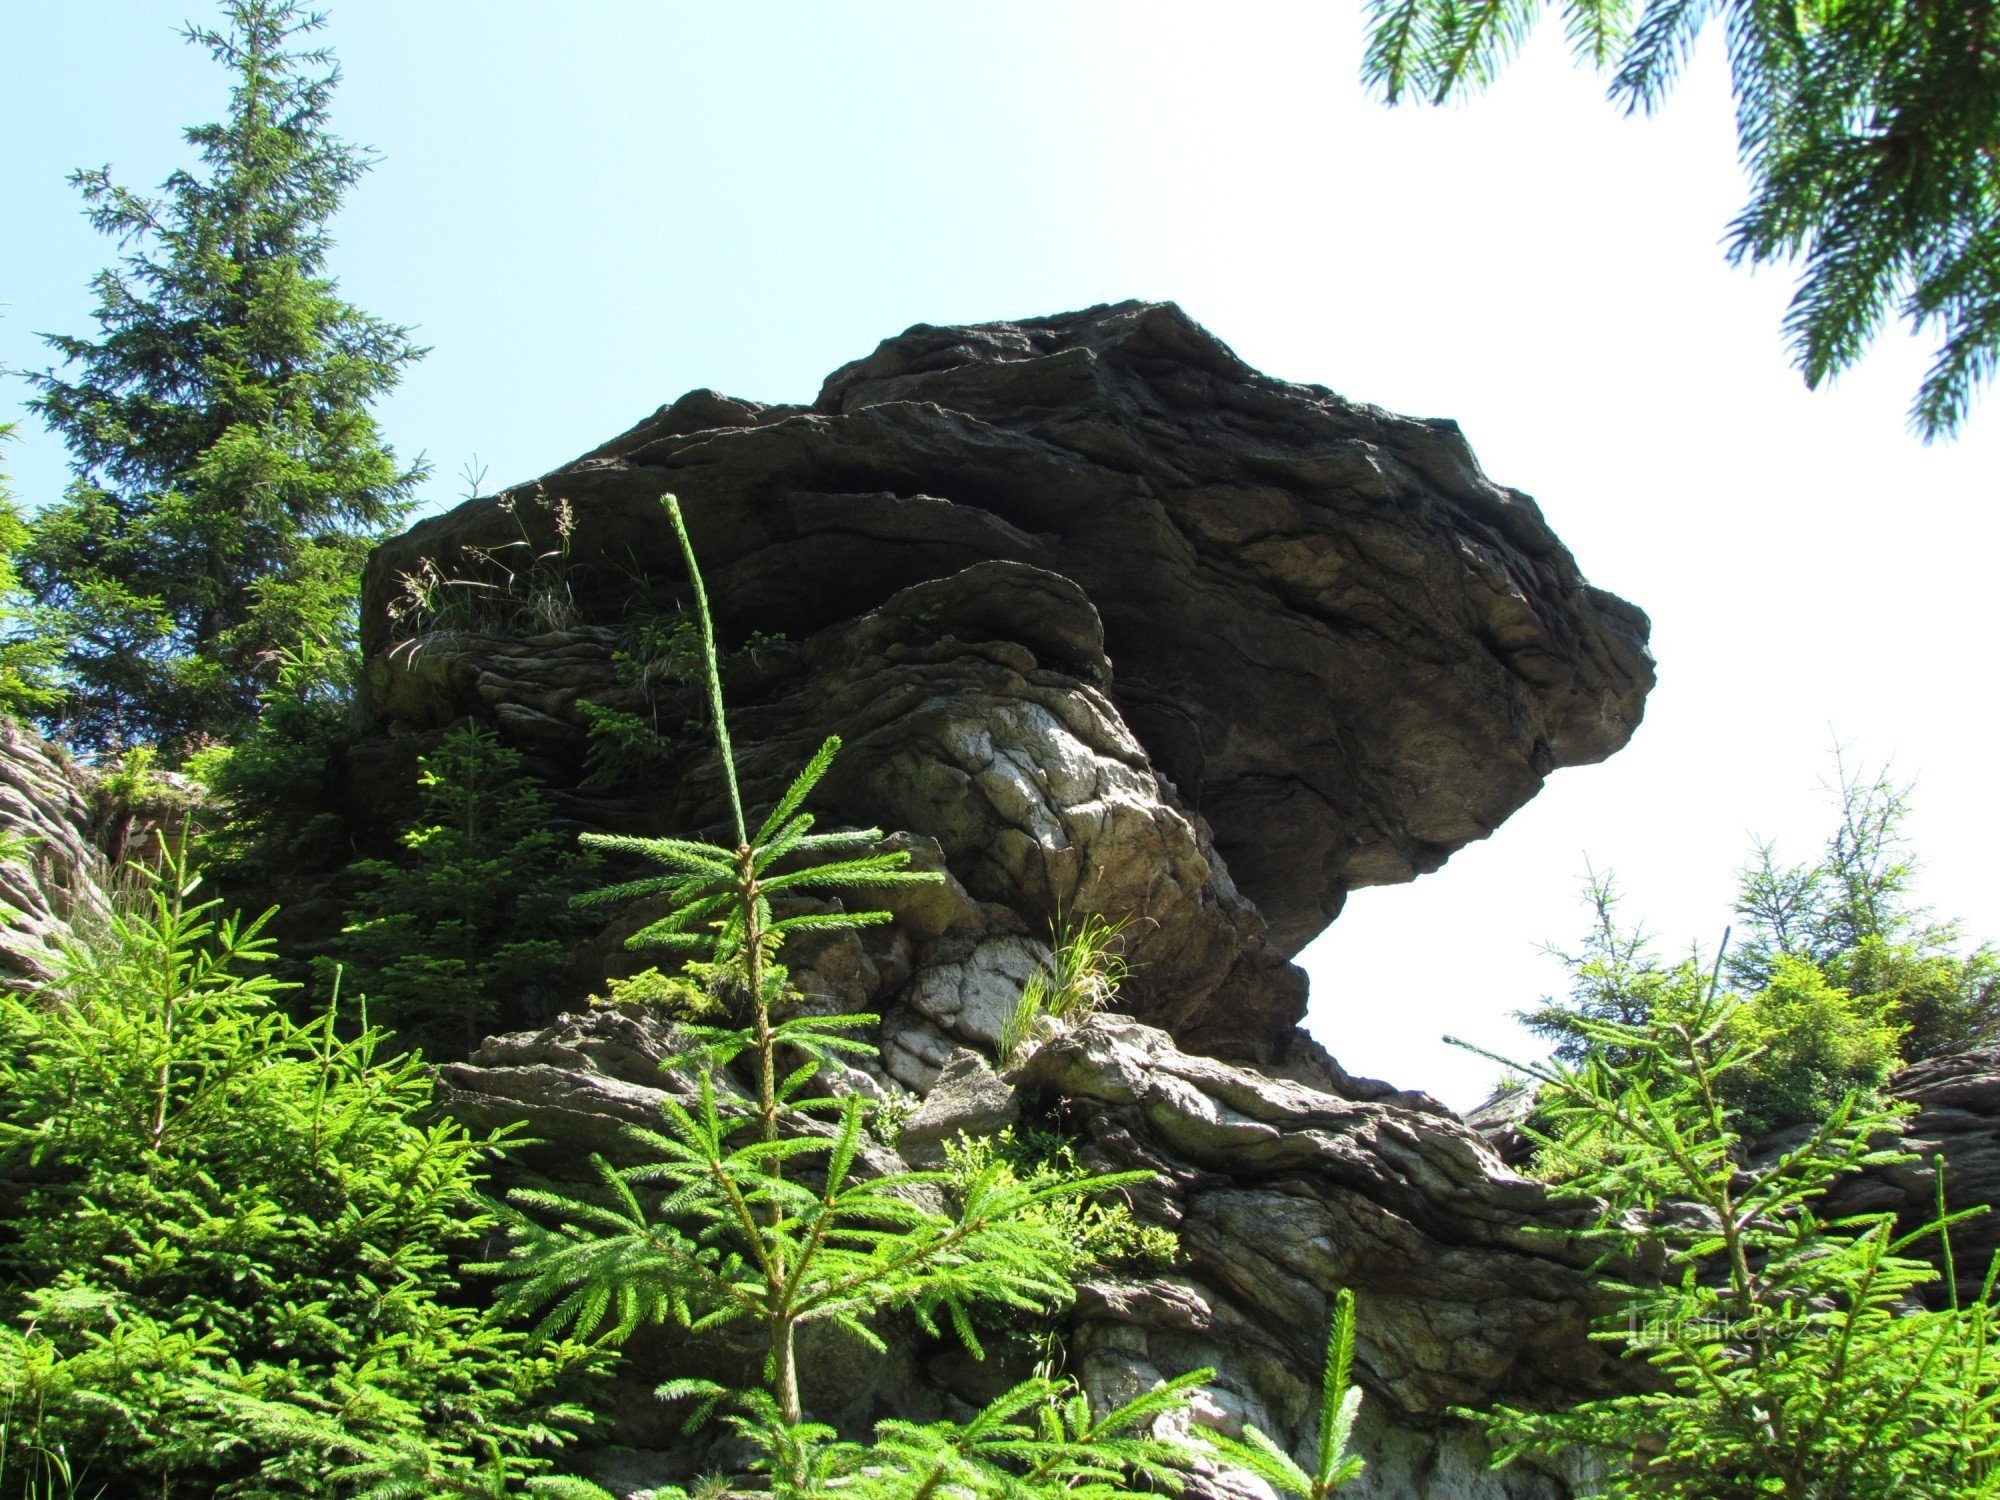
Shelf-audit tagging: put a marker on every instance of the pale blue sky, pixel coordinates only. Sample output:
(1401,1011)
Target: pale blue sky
(587,210)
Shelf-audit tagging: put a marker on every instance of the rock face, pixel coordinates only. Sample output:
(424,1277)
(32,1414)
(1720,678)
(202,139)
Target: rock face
(1109,625)
(1474,1284)
(1345,649)
(1958,1120)
(51,873)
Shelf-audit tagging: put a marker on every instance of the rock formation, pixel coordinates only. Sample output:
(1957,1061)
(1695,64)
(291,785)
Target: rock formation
(1109,624)
(1219,613)
(51,871)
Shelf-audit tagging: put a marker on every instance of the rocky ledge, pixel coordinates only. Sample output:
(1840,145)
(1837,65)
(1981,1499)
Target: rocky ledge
(1475,1283)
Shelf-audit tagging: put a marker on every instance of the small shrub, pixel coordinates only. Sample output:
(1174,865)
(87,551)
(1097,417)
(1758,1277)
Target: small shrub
(1810,1046)
(1852,911)
(229,1243)
(1099,1233)
(474,923)
(1792,1355)
(278,784)
(1086,966)
(621,746)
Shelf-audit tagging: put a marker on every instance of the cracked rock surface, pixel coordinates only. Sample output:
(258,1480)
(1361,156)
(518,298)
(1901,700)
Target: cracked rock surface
(1475,1284)
(1346,649)
(1109,624)
(51,872)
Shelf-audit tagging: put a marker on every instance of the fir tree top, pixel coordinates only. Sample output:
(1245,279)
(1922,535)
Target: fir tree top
(229,475)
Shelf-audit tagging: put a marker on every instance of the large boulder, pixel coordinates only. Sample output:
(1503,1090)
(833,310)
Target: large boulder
(1345,648)
(1110,625)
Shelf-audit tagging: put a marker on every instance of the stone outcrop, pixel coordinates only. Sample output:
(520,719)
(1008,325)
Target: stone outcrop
(1957,1122)
(1108,624)
(1346,649)
(1474,1282)
(51,872)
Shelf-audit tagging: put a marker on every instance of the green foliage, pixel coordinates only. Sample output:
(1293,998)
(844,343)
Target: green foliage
(1039,1441)
(661,648)
(622,746)
(1852,911)
(680,996)
(1945,1000)
(1867,131)
(1085,968)
(229,478)
(747,1212)
(28,652)
(1842,976)
(132,778)
(1814,1045)
(227,1240)
(660,660)
(1339,1405)
(476,918)
(278,783)
(1615,977)
(521,586)
(1099,1232)
(1793,1357)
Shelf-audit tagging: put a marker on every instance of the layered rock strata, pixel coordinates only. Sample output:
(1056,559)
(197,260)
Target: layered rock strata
(1110,625)
(1347,650)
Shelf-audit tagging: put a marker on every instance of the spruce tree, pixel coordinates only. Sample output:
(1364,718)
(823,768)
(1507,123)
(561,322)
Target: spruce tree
(228,474)
(230,1242)
(27,653)
(1870,135)
(473,924)
(1792,1355)
(746,1214)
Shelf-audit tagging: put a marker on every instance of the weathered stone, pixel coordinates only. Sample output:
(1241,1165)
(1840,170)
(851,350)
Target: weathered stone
(578,1084)
(1252,546)
(1958,1121)
(974,995)
(1475,1280)
(51,873)
(1018,778)
(1474,1284)
(968,1099)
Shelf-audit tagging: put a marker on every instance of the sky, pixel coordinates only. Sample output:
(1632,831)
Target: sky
(585,212)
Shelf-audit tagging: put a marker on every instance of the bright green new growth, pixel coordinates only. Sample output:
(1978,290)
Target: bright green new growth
(1842,976)
(1339,1406)
(1853,913)
(228,1243)
(1867,131)
(1796,1357)
(1081,978)
(1099,1233)
(749,1214)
